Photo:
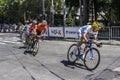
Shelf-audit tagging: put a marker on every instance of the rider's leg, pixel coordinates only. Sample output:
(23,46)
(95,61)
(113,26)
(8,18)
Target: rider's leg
(79,44)
(81,41)
(24,38)
(38,36)
(27,37)
(82,53)
(85,49)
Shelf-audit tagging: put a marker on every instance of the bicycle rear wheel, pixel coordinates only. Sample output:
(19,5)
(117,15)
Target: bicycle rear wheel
(71,54)
(92,59)
(35,48)
(28,45)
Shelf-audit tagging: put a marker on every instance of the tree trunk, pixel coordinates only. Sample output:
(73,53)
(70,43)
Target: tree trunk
(86,12)
(95,9)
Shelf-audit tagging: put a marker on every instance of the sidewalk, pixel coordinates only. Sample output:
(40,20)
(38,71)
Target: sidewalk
(111,42)
(106,42)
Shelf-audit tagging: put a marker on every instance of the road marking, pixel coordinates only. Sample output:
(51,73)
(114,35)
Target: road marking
(2,43)
(10,42)
(6,40)
(117,69)
(1,33)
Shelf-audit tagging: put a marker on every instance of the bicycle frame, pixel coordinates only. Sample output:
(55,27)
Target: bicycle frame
(90,48)
(91,57)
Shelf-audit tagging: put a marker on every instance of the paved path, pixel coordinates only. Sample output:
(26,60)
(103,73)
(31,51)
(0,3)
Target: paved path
(51,62)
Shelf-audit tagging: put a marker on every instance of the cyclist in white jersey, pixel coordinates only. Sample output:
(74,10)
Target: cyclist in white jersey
(86,32)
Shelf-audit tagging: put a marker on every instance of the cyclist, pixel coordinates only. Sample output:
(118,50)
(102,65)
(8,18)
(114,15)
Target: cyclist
(85,33)
(33,28)
(26,32)
(41,28)
(20,29)
(37,30)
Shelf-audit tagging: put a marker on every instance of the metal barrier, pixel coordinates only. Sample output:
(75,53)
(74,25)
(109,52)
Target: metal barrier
(104,33)
(115,32)
(110,33)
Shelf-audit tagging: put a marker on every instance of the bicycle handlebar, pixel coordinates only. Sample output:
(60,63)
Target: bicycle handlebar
(91,41)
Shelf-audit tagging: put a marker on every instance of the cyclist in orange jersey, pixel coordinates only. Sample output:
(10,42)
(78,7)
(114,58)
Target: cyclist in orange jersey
(41,27)
(33,28)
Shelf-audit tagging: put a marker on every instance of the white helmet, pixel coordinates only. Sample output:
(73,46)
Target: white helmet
(44,21)
(35,21)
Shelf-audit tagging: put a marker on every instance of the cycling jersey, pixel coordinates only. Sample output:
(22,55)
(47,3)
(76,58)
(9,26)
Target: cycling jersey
(32,27)
(87,28)
(40,27)
(25,27)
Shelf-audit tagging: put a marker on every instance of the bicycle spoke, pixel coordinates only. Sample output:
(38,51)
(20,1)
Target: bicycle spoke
(71,55)
(92,59)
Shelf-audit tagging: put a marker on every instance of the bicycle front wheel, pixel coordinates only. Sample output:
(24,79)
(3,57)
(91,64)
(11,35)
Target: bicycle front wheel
(35,48)
(28,45)
(71,54)
(92,59)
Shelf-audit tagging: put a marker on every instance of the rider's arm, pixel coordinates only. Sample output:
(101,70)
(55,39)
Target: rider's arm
(44,30)
(97,44)
(95,39)
(35,29)
(86,30)
(84,36)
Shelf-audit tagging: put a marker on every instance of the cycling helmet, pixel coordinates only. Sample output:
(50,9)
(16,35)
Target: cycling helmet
(26,21)
(95,25)
(35,21)
(44,22)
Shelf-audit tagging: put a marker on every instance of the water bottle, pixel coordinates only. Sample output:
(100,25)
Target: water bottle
(81,52)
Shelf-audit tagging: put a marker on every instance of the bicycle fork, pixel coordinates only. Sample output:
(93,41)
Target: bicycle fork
(91,51)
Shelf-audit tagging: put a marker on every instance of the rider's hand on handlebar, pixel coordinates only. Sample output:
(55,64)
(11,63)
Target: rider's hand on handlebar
(99,44)
(87,42)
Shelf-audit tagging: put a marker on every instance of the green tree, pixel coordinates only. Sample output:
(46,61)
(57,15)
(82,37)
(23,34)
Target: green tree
(31,9)
(115,11)
(70,20)
(3,7)
(17,10)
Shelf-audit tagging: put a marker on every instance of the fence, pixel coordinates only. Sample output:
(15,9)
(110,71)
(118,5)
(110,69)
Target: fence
(110,33)
(107,33)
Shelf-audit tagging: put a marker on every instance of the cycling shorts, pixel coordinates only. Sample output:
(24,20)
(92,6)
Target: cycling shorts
(38,32)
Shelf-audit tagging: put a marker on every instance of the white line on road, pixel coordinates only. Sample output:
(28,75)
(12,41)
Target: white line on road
(9,40)
(2,43)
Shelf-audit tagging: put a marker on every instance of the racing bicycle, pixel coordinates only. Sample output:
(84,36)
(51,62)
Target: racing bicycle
(32,45)
(91,57)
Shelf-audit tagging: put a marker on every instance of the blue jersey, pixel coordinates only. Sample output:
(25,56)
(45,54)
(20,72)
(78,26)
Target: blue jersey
(25,27)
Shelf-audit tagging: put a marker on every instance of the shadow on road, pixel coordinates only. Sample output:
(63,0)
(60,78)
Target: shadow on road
(72,65)
(22,47)
(28,52)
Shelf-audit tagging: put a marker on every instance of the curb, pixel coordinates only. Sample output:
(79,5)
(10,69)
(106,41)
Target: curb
(111,43)
(105,42)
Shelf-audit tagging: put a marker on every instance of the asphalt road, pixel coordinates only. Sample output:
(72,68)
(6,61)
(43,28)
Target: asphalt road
(51,62)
